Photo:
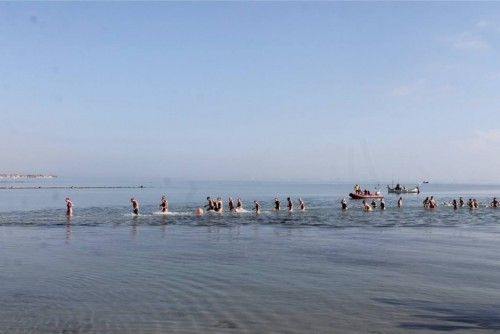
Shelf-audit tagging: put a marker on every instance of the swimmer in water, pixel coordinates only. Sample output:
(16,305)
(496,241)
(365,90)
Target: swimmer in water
(257,207)
(69,207)
(219,206)
(135,206)
(210,205)
(277,204)
(290,204)
(461,202)
(366,206)
(475,203)
(382,204)
(400,202)
(302,205)
(432,203)
(455,204)
(230,203)
(494,204)
(164,204)
(374,204)
(239,204)
(426,202)
(343,204)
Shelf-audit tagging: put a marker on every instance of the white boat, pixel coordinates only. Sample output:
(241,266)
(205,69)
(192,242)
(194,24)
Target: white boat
(403,190)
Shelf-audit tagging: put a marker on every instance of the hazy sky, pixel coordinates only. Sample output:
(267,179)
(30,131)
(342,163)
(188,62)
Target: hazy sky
(263,91)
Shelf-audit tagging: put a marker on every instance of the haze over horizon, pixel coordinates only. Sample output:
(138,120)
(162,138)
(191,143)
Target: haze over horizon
(252,91)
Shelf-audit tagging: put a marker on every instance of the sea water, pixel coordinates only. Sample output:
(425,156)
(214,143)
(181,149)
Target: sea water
(323,270)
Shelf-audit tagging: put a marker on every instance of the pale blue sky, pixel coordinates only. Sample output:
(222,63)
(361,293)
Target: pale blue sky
(264,91)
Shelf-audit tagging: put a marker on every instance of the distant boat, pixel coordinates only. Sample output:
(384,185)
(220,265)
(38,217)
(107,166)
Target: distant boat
(376,195)
(403,190)
(425,182)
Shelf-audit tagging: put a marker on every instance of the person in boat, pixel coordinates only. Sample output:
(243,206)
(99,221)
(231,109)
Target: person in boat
(257,206)
(398,187)
(135,206)
(343,204)
(374,204)
(230,203)
(432,203)
(290,204)
(277,204)
(461,202)
(302,205)
(455,204)
(69,207)
(494,203)
(164,204)
(366,206)
(382,204)
(239,204)
(357,189)
(400,202)
(426,202)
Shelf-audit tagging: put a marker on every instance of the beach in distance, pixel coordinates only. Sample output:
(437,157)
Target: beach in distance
(106,270)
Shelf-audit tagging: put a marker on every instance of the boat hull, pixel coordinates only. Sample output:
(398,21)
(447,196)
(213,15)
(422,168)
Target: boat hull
(415,190)
(360,196)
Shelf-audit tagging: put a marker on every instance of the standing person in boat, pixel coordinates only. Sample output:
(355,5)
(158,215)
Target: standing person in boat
(461,202)
(164,204)
(366,206)
(494,204)
(277,204)
(257,206)
(400,202)
(230,203)
(455,204)
(382,204)
(302,205)
(69,207)
(135,206)
(357,189)
(343,204)
(290,204)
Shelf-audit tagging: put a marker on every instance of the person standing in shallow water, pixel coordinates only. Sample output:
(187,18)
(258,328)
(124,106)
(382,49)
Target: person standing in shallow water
(135,206)
(455,204)
(230,203)
(69,207)
(302,205)
(382,204)
(277,204)
(290,204)
(343,204)
(400,202)
(257,206)
(164,204)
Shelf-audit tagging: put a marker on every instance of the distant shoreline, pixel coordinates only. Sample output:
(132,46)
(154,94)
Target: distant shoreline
(70,187)
(26,176)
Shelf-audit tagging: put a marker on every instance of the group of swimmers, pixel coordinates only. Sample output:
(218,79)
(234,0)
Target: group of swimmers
(217,205)
(472,203)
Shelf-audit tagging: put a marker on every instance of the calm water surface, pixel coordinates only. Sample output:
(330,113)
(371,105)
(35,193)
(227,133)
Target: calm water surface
(319,271)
